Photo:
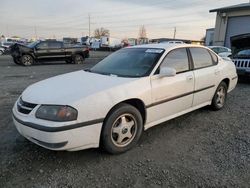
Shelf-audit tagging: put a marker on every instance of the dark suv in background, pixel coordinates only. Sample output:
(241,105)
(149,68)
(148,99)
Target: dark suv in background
(51,50)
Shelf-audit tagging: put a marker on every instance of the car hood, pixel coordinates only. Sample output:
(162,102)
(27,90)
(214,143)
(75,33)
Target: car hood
(69,88)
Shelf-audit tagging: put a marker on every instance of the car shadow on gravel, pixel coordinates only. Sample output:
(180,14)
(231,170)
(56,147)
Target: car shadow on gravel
(244,80)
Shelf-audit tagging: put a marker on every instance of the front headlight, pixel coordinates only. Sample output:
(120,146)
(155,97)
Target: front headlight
(56,113)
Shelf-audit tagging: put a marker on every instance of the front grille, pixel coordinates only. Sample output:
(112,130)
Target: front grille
(242,63)
(25,107)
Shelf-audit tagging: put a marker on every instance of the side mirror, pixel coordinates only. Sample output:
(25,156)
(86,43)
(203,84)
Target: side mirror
(167,72)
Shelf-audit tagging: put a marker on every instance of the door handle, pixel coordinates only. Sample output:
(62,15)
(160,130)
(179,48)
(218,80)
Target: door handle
(189,78)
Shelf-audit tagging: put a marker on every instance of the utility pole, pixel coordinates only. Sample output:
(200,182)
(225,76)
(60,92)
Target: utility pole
(35,32)
(7,30)
(174,32)
(89,25)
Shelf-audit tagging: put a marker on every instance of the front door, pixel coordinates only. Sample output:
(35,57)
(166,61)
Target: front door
(41,50)
(171,95)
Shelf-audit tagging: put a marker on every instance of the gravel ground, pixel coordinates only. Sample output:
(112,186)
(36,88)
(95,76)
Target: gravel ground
(200,149)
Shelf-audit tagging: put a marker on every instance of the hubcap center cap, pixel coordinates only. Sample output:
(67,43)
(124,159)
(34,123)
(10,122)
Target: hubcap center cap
(124,130)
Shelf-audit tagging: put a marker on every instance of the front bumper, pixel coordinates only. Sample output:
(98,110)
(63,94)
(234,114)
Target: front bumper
(64,137)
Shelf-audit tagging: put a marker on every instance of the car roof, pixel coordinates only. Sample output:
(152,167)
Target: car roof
(166,46)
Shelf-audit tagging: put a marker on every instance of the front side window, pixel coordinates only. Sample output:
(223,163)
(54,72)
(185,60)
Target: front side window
(129,62)
(42,45)
(201,58)
(177,59)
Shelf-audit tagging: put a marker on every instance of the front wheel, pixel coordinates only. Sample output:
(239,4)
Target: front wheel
(16,61)
(122,129)
(220,96)
(27,60)
(1,52)
(78,59)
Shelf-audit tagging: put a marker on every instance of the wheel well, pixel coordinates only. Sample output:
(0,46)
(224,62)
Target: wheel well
(227,81)
(78,53)
(138,104)
(25,53)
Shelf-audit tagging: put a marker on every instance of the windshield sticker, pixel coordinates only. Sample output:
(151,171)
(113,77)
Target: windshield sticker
(157,51)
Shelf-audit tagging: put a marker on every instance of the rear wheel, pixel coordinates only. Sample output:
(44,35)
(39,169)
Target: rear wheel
(27,60)
(1,52)
(122,129)
(78,59)
(68,61)
(220,96)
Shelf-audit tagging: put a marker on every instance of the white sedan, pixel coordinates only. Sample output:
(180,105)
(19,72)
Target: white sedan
(133,89)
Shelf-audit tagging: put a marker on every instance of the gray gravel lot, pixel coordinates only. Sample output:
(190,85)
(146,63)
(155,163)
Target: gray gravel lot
(201,149)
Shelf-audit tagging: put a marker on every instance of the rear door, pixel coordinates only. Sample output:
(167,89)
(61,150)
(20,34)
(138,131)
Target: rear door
(171,95)
(206,73)
(56,50)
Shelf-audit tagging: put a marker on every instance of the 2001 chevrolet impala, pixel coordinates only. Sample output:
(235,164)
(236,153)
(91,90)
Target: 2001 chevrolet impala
(129,91)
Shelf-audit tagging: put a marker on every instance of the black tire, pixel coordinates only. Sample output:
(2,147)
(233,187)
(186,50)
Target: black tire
(1,52)
(220,97)
(68,61)
(16,61)
(117,136)
(27,60)
(78,59)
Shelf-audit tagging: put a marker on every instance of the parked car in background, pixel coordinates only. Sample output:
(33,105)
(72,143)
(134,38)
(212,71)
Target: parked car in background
(6,45)
(2,50)
(50,50)
(126,93)
(110,43)
(221,51)
(242,62)
(173,42)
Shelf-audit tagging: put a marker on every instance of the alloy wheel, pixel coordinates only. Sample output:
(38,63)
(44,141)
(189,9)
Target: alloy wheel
(27,60)
(124,130)
(78,59)
(221,95)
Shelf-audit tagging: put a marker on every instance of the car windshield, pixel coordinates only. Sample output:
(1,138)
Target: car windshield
(129,62)
(243,53)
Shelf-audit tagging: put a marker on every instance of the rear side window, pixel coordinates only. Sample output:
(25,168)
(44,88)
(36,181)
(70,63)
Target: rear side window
(201,58)
(55,45)
(177,59)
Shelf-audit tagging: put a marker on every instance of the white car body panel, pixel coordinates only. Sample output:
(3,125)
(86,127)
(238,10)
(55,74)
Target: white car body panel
(94,95)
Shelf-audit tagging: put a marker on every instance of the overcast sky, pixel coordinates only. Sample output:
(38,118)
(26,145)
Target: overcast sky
(122,17)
